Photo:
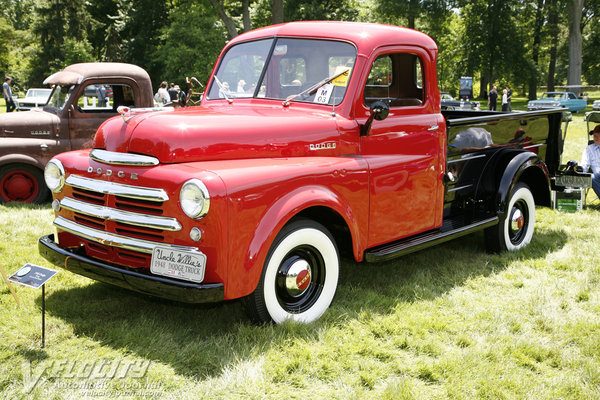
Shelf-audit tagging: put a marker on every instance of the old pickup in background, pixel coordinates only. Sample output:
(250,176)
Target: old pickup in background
(67,121)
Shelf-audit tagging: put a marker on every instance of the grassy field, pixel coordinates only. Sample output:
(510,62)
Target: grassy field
(450,322)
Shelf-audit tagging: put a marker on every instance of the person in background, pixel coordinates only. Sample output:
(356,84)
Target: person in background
(101,96)
(162,95)
(590,160)
(8,97)
(493,98)
(173,92)
(505,100)
(509,93)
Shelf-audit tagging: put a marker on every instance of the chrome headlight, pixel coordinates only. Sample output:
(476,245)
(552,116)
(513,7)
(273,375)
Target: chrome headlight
(194,199)
(54,175)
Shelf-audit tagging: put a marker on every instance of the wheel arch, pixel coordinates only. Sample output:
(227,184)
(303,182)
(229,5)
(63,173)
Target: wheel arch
(17,159)
(524,167)
(314,203)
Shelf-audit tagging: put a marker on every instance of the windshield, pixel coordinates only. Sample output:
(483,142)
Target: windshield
(554,96)
(283,69)
(59,96)
(38,93)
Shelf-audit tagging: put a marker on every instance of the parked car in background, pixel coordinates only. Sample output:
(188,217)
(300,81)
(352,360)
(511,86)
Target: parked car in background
(450,103)
(36,97)
(568,100)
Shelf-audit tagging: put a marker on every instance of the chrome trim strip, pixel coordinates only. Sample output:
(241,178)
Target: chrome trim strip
(111,157)
(111,239)
(126,217)
(533,146)
(117,189)
(466,158)
(459,188)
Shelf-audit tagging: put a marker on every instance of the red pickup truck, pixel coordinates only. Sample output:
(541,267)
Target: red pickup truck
(313,140)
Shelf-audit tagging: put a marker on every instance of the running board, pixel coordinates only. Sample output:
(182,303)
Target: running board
(415,243)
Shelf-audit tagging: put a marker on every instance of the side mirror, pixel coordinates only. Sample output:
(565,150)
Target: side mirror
(379,111)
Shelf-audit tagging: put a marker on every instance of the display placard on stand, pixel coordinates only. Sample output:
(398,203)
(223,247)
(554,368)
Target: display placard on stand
(34,276)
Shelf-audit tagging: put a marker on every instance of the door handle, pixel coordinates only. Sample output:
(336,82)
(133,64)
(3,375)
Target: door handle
(433,128)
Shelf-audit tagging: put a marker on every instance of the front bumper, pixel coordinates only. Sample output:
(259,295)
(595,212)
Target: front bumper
(166,288)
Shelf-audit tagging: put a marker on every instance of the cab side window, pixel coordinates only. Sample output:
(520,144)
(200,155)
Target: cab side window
(397,79)
(106,97)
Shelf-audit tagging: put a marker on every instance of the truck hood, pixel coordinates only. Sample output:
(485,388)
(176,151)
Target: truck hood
(34,123)
(231,132)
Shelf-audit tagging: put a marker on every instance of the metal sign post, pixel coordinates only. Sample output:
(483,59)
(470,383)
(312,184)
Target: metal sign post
(34,276)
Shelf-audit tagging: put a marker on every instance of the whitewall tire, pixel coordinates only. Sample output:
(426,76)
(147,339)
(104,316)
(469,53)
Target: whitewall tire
(299,277)
(516,230)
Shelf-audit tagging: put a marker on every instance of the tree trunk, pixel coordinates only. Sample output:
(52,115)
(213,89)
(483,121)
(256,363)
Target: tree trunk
(575,44)
(535,49)
(277,12)
(553,32)
(246,15)
(483,91)
(229,23)
(413,9)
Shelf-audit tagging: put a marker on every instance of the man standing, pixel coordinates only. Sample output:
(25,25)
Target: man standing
(590,160)
(493,98)
(8,97)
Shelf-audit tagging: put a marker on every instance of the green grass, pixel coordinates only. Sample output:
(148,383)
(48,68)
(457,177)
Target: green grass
(451,322)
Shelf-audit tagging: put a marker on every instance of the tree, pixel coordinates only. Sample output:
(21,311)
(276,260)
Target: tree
(61,28)
(277,12)
(6,36)
(553,30)
(193,41)
(312,10)
(591,42)
(137,34)
(575,8)
(537,39)
(491,42)
(408,12)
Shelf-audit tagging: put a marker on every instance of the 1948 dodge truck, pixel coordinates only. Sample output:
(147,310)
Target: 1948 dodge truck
(313,139)
(83,96)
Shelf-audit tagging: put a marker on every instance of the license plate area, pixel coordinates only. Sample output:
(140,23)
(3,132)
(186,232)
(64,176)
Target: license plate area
(178,264)
(581,180)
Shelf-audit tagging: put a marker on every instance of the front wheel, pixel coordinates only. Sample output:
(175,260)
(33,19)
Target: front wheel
(299,277)
(516,230)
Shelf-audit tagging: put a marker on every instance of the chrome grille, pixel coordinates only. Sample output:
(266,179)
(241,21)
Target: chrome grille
(119,222)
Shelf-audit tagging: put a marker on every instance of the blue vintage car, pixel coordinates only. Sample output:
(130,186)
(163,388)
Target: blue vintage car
(567,100)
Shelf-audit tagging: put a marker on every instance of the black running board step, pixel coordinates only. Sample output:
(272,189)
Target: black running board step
(424,240)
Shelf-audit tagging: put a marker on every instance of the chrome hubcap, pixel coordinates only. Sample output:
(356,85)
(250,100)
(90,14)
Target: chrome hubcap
(298,278)
(517,220)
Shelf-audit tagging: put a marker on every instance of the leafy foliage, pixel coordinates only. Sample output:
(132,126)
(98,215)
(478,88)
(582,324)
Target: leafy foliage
(521,43)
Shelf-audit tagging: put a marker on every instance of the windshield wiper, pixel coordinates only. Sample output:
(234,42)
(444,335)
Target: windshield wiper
(312,90)
(223,89)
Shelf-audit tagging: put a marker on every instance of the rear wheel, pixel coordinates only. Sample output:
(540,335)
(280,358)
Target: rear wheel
(516,230)
(299,277)
(22,183)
